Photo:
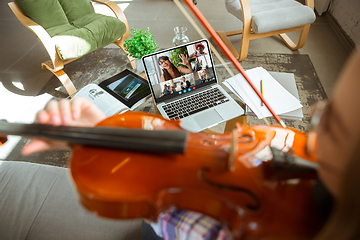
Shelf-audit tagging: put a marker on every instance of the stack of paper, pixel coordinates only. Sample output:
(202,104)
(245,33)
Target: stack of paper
(275,92)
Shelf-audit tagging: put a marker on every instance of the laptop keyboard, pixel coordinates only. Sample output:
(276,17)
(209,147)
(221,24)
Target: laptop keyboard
(195,103)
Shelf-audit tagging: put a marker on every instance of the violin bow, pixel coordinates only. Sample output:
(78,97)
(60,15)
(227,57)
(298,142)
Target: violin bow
(225,49)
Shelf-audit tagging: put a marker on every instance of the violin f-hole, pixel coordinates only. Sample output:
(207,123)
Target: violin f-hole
(251,206)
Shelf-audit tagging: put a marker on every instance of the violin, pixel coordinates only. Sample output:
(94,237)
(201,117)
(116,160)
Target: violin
(257,179)
(136,165)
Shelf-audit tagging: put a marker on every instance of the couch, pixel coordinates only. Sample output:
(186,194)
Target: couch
(39,202)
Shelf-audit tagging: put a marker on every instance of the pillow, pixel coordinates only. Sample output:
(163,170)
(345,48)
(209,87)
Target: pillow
(88,33)
(75,9)
(47,13)
(272,15)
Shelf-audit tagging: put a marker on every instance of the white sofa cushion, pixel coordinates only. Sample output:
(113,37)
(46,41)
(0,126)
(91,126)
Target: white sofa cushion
(272,15)
(39,202)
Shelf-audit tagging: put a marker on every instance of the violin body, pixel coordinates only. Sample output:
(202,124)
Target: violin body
(219,175)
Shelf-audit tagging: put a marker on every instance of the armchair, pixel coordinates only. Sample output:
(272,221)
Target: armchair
(71,29)
(264,18)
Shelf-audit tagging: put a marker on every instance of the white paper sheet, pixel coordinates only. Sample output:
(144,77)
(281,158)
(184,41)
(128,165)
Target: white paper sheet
(279,99)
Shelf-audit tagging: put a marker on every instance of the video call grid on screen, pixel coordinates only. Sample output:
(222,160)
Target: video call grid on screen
(201,73)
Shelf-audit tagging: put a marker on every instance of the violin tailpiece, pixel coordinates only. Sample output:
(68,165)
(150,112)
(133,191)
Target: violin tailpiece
(287,166)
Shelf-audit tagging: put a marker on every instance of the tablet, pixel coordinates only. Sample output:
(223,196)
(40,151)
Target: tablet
(128,87)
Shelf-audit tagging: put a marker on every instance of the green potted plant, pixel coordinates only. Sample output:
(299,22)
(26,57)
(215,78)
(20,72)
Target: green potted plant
(139,44)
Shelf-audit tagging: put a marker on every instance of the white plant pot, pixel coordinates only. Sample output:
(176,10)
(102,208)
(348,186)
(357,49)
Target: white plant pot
(139,65)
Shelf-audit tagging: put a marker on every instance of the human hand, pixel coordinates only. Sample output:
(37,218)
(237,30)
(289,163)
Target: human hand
(78,112)
(184,58)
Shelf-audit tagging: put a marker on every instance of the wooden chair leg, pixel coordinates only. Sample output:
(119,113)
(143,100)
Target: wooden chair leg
(244,48)
(62,76)
(66,82)
(132,62)
(245,41)
(225,39)
(302,38)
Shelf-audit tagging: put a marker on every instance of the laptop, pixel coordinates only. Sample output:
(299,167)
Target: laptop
(184,86)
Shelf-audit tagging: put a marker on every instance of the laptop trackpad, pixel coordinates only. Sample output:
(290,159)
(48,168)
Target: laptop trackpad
(208,118)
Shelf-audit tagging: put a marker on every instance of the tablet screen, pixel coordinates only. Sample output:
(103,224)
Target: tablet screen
(127,87)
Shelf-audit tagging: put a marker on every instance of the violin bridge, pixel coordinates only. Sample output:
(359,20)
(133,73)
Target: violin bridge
(233,150)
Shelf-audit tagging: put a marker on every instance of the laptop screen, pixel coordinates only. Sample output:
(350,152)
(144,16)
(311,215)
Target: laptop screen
(180,70)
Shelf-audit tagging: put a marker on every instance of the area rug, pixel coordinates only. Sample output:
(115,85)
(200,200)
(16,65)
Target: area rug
(104,63)
(308,84)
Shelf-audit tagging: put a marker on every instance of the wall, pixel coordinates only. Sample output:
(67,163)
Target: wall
(347,15)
